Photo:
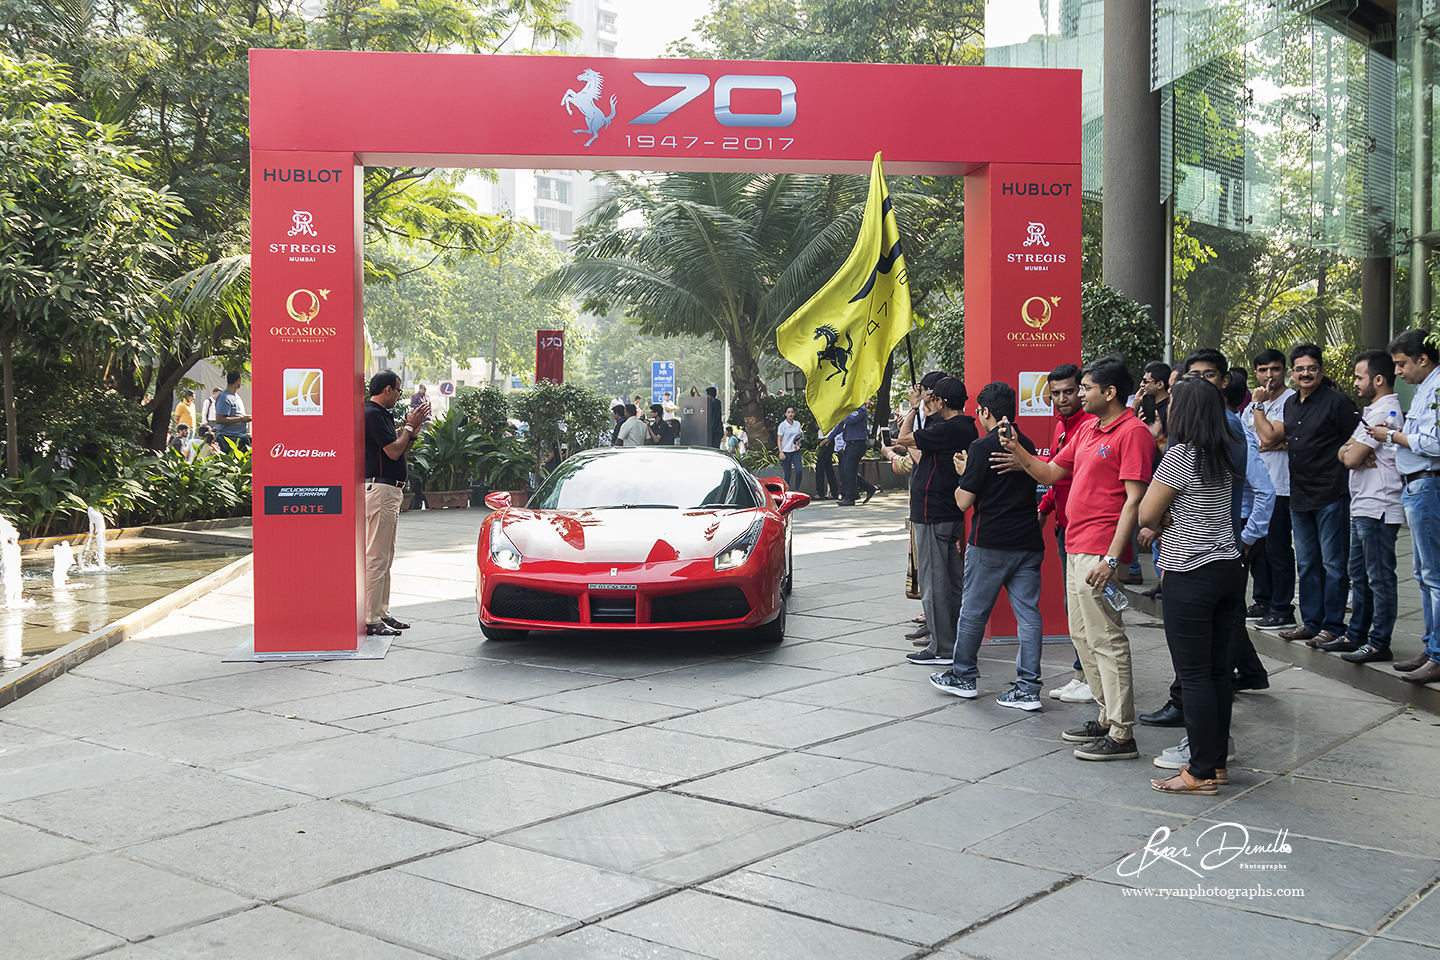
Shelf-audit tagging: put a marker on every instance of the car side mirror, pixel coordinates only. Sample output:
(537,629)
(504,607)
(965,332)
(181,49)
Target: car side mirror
(774,486)
(497,501)
(793,501)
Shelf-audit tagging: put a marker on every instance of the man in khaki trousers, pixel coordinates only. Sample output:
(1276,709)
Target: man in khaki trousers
(385,474)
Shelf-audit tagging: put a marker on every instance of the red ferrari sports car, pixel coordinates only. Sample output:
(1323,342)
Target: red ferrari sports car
(645,538)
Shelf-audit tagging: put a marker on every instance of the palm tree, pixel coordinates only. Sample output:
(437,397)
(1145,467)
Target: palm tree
(726,256)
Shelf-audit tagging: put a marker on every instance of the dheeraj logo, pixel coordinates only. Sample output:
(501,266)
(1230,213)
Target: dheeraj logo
(304,392)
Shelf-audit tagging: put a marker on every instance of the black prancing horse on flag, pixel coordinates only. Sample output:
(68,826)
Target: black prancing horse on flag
(834,354)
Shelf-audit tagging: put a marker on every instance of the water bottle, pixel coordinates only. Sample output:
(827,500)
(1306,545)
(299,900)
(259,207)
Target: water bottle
(1115,596)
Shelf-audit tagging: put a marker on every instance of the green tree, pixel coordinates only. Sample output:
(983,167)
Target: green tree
(721,255)
(80,235)
(855,31)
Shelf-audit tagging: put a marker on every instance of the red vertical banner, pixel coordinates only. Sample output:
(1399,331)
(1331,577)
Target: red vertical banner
(1022,311)
(549,356)
(307,350)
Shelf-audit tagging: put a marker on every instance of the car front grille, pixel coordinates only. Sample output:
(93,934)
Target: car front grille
(719,603)
(510,602)
(605,609)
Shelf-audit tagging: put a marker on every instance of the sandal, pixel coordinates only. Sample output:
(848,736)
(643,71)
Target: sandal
(1182,782)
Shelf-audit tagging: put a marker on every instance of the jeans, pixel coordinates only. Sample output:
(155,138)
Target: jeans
(1322,547)
(1244,661)
(1200,608)
(1275,578)
(941,565)
(1372,581)
(792,464)
(1422,511)
(825,471)
(986,571)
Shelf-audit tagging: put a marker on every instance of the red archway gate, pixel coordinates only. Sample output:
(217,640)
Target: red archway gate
(318,117)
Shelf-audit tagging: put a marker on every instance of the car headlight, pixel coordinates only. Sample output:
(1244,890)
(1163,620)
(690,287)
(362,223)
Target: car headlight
(502,552)
(738,552)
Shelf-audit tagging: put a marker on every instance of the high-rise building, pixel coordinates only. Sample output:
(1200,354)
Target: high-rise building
(555,200)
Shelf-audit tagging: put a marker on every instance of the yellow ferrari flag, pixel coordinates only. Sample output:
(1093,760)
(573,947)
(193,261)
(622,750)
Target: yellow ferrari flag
(859,315)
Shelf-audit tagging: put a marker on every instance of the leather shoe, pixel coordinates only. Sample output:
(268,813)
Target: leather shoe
(1405,666)
(918,634)
(1426,674)
(394,624)
(1299,633)
(1133,579)
(1369,653)
(1153,593)
(867,498)
(1334,644)
(1167,716)
(380,630)
(1239,684)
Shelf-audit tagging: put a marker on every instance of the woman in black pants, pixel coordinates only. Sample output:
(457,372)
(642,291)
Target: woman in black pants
(1188,506)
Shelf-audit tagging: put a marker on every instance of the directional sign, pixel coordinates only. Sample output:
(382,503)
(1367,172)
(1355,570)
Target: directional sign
(662,380)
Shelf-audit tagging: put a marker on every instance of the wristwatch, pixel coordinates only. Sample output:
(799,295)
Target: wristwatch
(1390,437)
(1113,561)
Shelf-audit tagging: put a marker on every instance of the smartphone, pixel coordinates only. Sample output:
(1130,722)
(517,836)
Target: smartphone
(885,436)
(1006,431)
(1147,409)
(1115,596)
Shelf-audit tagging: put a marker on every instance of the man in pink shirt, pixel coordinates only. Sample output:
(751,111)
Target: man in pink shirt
(1064,382)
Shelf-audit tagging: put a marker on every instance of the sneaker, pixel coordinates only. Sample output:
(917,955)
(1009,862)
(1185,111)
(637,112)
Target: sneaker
(1058,692)
(1080,694)
(1017,698)
(1257,611)
(1089,733)
(1276,621)
(1173,758)
(927,658)
(1108,749)
(947,682)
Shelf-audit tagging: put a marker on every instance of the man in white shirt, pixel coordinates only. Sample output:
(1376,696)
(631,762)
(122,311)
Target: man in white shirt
(633,432)
(1274,568)
(787,437)
(668,406)
(1417,458)
(1375,515)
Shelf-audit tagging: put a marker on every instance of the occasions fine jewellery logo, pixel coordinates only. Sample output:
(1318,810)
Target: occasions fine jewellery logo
(1036,312)
(303,306)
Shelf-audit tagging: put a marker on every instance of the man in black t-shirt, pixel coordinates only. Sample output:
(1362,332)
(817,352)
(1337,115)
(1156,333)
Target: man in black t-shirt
(385,474)
(714,421)
(660,432)
(1006,548)
(939,523)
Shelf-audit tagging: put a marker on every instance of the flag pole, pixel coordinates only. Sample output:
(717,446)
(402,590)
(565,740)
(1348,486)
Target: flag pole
(911,354)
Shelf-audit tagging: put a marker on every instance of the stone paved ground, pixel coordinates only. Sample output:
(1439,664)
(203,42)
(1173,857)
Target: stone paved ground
(685,797)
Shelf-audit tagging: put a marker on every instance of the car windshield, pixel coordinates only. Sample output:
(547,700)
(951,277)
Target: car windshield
(647,480)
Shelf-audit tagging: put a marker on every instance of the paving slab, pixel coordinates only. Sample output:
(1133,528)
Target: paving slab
(122,897)
(669,838)
(295,849)
(280,934)
(38,934)
(429,916)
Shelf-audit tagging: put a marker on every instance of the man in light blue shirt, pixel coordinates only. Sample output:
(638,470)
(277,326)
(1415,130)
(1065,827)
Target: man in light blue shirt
(1417,458)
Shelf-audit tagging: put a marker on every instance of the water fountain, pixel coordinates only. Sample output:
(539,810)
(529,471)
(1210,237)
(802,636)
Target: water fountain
(64,560)
(10,649)
(92,554)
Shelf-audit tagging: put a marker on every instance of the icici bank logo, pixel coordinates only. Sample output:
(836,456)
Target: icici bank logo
(282,452)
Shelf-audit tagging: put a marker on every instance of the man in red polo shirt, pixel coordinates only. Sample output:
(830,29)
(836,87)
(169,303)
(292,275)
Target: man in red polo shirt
(1110,459)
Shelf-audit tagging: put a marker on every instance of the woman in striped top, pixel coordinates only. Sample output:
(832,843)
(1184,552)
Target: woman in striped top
(1188,506)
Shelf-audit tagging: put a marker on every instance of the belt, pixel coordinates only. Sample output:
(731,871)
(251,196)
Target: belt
(385,480)
(1420,475)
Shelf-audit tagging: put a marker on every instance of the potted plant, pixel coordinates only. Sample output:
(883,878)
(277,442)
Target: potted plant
(446,457)
(507,466)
